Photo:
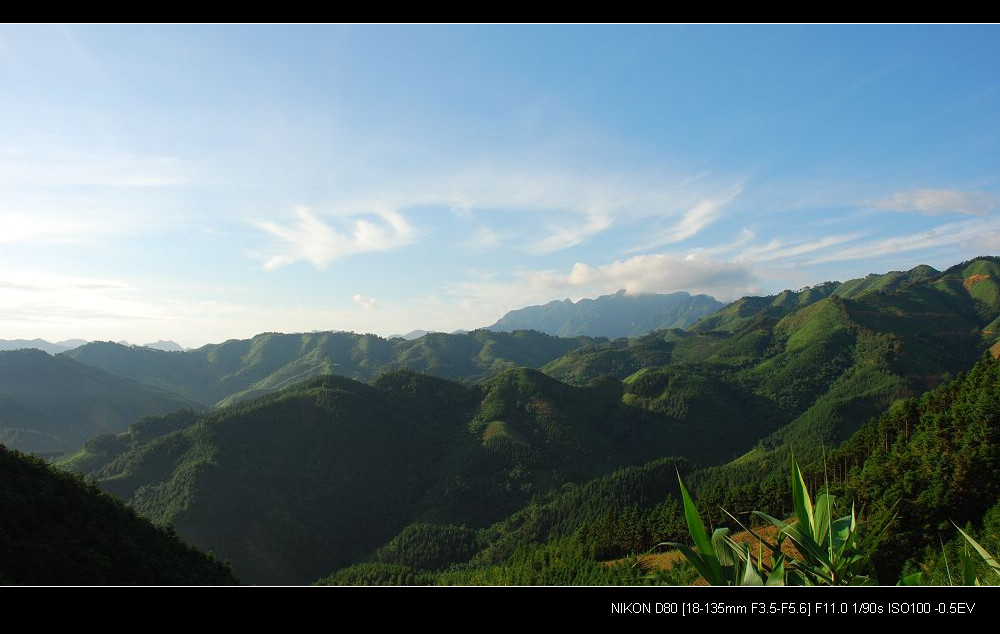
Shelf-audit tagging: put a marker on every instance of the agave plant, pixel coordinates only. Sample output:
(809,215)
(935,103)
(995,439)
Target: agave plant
(969,575)
(833,551)
(719,559)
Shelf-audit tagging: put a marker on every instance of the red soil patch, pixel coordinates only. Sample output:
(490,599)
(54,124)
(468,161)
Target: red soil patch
(666,560)
(972,280)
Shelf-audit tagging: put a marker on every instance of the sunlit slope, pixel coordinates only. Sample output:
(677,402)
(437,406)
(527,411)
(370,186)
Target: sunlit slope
(237,369)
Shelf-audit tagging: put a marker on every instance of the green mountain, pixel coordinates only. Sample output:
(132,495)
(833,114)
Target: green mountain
(298,483)
(530,476)
(301,482)
(928,461)
(54,404)
(925,463)
(558,539)
(747,309)
(611,316)
(809,366)
(56,530)
(238,369)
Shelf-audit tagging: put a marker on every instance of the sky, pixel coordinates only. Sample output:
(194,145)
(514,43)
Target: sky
(204,183)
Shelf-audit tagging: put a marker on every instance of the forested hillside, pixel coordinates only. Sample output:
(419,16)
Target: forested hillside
(267,482)
(523,478)
(820,361)
(53,404)
(56,530)
(227,372)
(925,465)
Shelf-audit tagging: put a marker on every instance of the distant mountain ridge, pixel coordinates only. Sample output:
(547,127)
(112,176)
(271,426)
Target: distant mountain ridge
(827,357)
(41,344)
(165,345)
(53,403)
(612,316)
(326,472)
(241,368)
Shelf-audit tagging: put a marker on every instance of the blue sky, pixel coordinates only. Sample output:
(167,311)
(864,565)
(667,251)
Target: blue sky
(200,183)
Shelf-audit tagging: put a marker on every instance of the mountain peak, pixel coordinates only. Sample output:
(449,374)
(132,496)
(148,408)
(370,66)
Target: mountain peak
(617,315)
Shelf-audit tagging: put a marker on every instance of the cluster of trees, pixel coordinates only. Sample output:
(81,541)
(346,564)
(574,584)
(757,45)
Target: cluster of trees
(57,530)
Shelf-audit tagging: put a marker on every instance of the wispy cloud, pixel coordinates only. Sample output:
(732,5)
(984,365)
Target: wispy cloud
(659,273)
(988,243)
(482,238)
(553,208)
(312,239)
(365,302)
(934,202)
(706,212)
(52,299)
(44,282)
(485,299)
(778,250)
(72,197)
(72,167)
(569,235)
(955,234)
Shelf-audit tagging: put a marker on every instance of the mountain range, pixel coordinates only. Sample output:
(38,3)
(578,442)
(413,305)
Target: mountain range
(336,473)
(219,374)
(40,344)
(480,457)
(53,403)
(612,316)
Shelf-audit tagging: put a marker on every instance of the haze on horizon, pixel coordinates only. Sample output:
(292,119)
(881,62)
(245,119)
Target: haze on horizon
(202,183)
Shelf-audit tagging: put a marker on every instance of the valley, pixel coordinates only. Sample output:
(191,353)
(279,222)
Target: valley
(524,458)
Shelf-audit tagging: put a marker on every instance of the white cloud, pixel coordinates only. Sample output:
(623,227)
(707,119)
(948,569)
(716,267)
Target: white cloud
(660,273)
(777,250)
(483,300)
(40,298)
(967,233)
(706,212)
(934,202)
(71,167)
(569,235)
(46,282)
(312,239)
(482,238)
(552,209)
(986,243)
(70,197)
(747,235)
(365,302)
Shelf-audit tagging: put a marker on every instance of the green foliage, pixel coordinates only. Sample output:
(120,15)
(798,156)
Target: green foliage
(720,560)
(834,551)
(831,551)
(429,546)
(560,562)
(379,574)
(938,456)
(57,530)
(316,477)
(625,512)
(970,576)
